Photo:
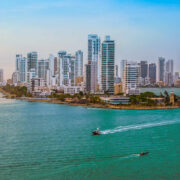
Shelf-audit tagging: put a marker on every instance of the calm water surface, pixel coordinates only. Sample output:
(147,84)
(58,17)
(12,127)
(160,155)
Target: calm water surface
(48,141)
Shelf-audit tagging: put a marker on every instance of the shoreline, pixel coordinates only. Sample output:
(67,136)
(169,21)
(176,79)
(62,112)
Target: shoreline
(107,106)
(101,106)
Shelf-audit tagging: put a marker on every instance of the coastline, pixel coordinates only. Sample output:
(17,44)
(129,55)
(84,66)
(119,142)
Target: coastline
(106,106)
(90,105)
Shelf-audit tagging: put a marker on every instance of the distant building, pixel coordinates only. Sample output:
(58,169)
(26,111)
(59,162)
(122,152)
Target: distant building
(143,71)
(117,80)
(1,76)
(152,73)
(161,69)
(169,79)
(43,66)
(30,75)
(122,66)
(108,60)
(72,90)
(66,69)
(32,61)
(55,65)
(61,55)
(88,77)
(18,61)
(116,100)
(130,78)
(15,78)
(116,71)
(23,70)
(94,61)
(79,64)
(176,76)
(177,83)
(51,65)
(118,89)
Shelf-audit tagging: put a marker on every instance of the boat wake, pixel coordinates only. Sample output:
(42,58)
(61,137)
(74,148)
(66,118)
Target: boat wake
(138,126)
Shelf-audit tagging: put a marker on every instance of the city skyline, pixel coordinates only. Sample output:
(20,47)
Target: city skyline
(142,30)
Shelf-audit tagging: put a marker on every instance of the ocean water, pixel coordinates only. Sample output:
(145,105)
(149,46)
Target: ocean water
(51,141)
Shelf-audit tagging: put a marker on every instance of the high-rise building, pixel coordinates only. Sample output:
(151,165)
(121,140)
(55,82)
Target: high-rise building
(169,73)
(161,69)
(51,65)
(66,69)
(122,66)
(23,70)
(108,59)
(1,76)
(60,64)
(30,75)
(72,70)
(55,65)
(116,71)
(32,59)
(15,78)
(88,77)
(41,69)
(152,73)
(176,76)
(18,61)
(143,73)
(130,78)
(143,69)
(95,61)
(79,64)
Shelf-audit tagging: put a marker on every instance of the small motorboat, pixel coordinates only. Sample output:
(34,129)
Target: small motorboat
(96,132)
(143,153)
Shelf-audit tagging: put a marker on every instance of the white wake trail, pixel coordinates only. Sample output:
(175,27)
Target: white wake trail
(139,126)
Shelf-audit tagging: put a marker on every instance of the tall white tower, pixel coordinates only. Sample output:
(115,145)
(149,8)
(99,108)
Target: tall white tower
(94,60)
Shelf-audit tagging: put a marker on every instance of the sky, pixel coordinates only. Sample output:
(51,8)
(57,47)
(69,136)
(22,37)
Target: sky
(142,29)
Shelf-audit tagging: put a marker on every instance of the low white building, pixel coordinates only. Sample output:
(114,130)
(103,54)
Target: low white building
(73,89)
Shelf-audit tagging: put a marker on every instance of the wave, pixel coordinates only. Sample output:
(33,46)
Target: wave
(139,126)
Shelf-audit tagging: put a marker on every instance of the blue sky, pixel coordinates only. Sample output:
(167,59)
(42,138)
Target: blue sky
(142,29)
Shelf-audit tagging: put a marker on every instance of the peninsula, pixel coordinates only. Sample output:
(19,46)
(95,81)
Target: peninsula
(146,100)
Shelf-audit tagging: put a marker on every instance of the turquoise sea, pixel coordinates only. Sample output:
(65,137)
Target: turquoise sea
(50,141)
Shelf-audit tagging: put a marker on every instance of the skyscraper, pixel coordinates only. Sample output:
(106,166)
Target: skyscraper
(94,61)
(88,77)
(152,73)
(130,78)
(169,73)
(51,65)
(1,76)
(41,69)
(143,69)
(23,70)
(72,70)
(122,66)
(32,59)
(79,64)
(161,69)
(18,61)
(61,55)
(108,59)
(55,65)
(116,71)
(66,69)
